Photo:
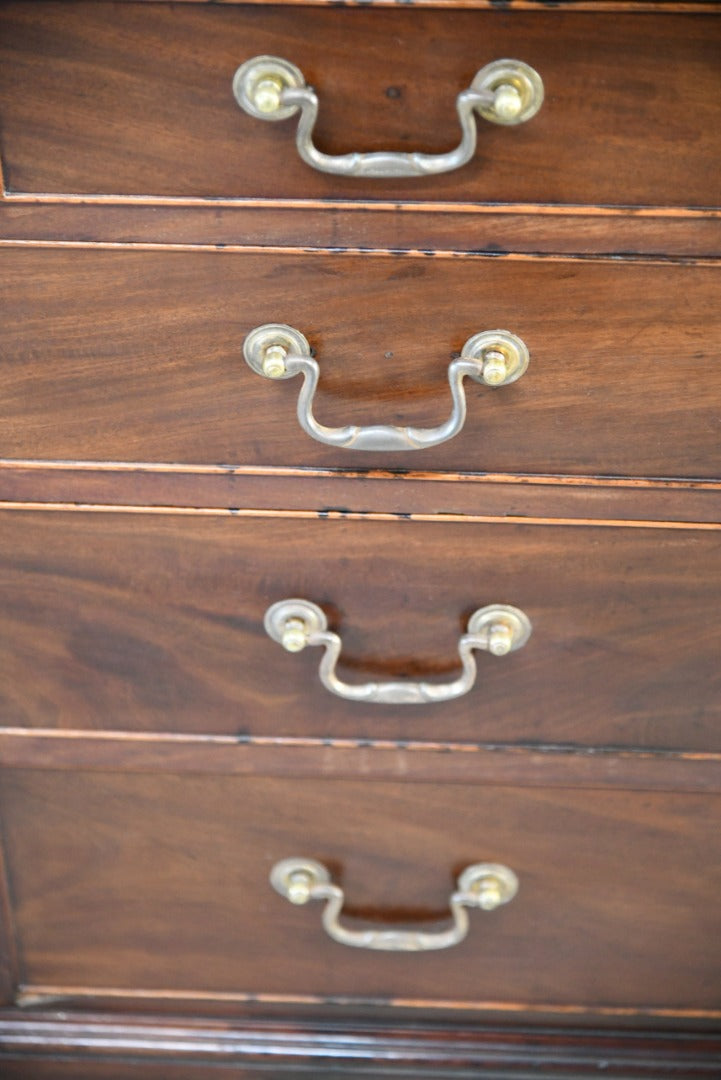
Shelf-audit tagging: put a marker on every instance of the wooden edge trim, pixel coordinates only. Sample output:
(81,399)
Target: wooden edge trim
(559,766)
(376,252)
(394,475)
(347,205)
(352,515)
(328,492)
(661,6)
(420,233)
(307,1045)
(9,960)
(36,995)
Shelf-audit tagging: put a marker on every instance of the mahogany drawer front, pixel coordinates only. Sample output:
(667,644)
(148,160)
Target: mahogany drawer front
(155,623)
(161,883)
(135,99)
(137,356)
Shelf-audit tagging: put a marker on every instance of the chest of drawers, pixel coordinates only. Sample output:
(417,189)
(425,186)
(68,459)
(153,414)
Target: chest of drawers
(503,829)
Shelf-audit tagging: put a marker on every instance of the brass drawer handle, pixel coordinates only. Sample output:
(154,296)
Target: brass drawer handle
(498,629)
(505,92)
(483,885)
(277,351)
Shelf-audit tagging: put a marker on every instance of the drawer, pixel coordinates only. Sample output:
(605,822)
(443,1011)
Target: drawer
(153,886)
(135,99)
(112,355)
(155,622)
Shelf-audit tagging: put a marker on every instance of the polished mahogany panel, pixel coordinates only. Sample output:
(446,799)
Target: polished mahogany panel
(135,99)
(137,356)
(151,883)
(155,623)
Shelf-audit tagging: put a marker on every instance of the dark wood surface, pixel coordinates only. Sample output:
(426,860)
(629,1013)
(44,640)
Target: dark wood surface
(135,99)
(136,356)
(94,1047)
(153,884)
(155,623)
(156,224)
(9,971)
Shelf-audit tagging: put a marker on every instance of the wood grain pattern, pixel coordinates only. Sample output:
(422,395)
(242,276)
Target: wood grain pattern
(134,99)
(137,356)
(161,882)
(143,622)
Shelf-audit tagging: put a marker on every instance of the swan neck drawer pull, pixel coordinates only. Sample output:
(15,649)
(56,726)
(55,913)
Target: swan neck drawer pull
(277,351)
(506,92)
(483,885)
(497,629)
